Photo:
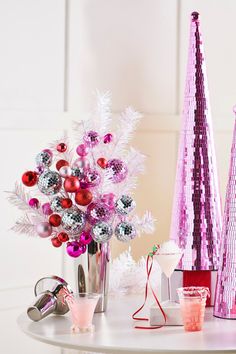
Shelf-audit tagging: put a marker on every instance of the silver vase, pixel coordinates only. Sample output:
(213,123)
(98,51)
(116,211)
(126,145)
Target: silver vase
(92,272)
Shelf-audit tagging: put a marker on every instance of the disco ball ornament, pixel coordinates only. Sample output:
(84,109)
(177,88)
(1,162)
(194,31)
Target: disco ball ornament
(56,204)
(75,249)
(98,212)
(44,158)
(91,138)
(77,172)
(124,205)
(73,220)
(92,178)
(125,231)
(49,182)
(101,232)
(117,170)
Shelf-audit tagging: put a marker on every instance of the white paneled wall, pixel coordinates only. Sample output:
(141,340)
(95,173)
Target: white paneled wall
(53,55)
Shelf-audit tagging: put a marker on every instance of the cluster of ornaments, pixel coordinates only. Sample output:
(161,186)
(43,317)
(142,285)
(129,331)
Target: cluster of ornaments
(76,212)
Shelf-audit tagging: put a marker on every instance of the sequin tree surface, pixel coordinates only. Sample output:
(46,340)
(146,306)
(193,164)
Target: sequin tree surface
(196,215)
(225,296)
(84,193)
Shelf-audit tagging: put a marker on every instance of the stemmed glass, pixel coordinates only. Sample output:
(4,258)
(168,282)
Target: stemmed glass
(168,262)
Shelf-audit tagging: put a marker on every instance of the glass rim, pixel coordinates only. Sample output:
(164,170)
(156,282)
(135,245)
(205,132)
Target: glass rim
(193,292)
(168,254)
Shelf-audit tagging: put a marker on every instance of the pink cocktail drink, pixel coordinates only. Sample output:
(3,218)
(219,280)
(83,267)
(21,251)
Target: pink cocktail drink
(82,307)
(192,304)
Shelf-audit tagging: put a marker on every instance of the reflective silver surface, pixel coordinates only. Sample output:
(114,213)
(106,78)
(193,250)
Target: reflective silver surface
(93,272)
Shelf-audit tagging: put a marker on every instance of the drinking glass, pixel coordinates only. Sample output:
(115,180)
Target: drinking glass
(192,304)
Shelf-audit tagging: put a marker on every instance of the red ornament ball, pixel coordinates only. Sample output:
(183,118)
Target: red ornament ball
(55,220)
(61,163)
(102,162)
(83,197)
(66,203)
(29,178)
(61,147)
(56,242)
(71,184)
(63,237)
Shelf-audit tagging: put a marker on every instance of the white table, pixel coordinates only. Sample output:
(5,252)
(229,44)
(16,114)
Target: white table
(114,333)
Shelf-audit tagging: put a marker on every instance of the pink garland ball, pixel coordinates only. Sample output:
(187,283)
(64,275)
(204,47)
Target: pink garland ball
(44,229)
(34,203)
(98,212)
(47,209)
(85,238)
(109,199)
(81,163)
(117,170)
(108,138)
(91,139)
(75,249)
(82,150)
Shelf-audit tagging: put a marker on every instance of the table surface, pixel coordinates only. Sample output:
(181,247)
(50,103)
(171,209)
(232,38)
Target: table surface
(115,333)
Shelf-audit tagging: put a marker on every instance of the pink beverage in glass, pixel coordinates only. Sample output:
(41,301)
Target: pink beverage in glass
(192,304)
(82,307)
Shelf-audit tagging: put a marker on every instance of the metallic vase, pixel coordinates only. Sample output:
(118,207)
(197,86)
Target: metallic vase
(196,217)
(93,272)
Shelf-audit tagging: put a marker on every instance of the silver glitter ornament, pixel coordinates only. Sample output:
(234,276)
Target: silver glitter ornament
(124,205)
(73,220)
(44,158)
(56,204)
(77,172)
(101,232)
(49,182)
(125,231)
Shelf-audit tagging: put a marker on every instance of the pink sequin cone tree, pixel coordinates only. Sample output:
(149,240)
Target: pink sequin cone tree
(196,215)
(225,296)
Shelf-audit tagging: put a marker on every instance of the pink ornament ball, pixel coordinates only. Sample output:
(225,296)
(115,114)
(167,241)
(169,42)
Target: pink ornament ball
(98,212)
(82,150)
(85,238)
(44,229)
(109,199)
(34,203)
(108,138)
(75,249)
(47,209)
